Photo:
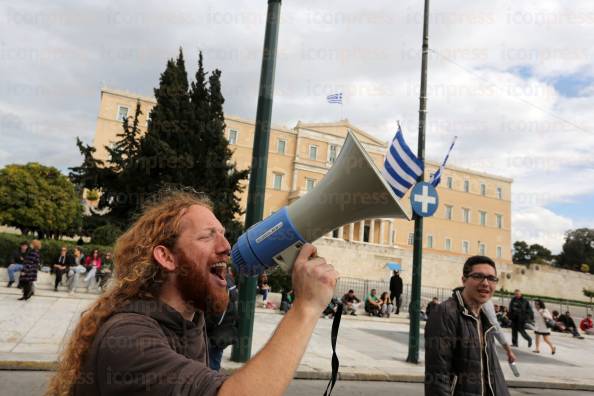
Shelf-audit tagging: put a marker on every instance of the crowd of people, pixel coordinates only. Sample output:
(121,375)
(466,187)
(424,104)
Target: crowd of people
(68,268)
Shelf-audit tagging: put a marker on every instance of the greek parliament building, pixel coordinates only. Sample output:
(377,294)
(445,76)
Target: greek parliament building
(474,214)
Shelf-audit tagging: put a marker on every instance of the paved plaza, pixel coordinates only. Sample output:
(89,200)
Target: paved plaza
(32,333)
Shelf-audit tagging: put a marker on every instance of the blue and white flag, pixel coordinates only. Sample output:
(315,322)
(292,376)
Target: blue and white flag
(335,98)
(436,177)
(401,167)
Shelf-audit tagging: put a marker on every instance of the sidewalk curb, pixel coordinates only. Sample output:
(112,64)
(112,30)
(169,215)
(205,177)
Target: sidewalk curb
(325,375)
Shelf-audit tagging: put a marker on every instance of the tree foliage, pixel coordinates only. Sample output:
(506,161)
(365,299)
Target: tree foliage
(578,249)
(184,146)
(527,254)
(37,198)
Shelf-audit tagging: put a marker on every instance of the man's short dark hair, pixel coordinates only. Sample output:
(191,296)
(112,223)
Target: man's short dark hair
(476,260)
(24,243)
(351,291)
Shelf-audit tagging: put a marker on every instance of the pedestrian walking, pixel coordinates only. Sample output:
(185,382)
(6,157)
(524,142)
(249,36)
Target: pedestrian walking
(541,319)
(29,271)
(519,313)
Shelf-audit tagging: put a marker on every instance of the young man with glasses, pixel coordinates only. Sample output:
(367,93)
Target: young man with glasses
(460,356)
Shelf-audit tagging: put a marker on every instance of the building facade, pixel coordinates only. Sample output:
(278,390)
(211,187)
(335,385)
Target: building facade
(474,215)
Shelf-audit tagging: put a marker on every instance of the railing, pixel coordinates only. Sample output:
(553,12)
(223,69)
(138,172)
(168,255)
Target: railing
(362,287)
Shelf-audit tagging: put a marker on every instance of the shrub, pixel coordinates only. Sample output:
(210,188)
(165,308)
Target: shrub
(106,234)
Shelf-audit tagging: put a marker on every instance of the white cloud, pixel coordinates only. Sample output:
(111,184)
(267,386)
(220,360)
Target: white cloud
(539,225)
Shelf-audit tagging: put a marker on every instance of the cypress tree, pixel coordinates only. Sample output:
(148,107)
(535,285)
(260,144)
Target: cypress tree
(184,146)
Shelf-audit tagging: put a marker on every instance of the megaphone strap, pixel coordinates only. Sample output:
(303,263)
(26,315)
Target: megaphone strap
(335,362)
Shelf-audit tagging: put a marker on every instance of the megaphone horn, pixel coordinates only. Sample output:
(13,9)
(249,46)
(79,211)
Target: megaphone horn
(352,190)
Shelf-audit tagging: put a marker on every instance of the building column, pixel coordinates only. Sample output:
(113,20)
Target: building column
(294,181)
(351,232)
(341,232)
(361,229)
(391,233)
(371,231)
(382,229)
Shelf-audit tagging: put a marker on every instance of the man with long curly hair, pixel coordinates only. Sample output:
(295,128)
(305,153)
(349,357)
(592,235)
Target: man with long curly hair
(145,334)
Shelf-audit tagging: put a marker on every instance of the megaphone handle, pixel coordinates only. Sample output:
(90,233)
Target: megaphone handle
(287,257)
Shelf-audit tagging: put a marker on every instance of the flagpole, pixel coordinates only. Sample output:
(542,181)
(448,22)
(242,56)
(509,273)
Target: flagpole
(415,300)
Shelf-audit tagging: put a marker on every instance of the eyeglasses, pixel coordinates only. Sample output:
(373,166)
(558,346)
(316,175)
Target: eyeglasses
(481,277)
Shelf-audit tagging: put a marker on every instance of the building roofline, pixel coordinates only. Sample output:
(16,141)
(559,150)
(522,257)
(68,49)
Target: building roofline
(128,94)
(250,122)
(470,171)
(311,126)
(344,123)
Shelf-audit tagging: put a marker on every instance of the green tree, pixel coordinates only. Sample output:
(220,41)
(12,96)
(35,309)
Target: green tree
(578,249)
(37,198)
(184,146)
(526,254)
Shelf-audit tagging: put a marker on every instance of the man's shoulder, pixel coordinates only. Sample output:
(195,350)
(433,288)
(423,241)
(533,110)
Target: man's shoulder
(130,324)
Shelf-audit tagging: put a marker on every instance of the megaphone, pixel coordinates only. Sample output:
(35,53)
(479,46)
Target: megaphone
(352,190)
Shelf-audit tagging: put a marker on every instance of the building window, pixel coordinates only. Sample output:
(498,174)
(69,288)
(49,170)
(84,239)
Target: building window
(450,182)
(309,184)
(430,241)
(232,136)
(482,249)
(466,215)
(499,220)
(483,218)
(280,146)
(483,189)
(499,193)
(335,233)
(498,252)
(448,212)
(411,238)
(466,186)
(122,113)
(332,153)
(447,244)
(313,152)
(465,247)
(278,181)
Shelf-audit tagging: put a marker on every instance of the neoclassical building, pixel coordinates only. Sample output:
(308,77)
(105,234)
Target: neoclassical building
(474,216)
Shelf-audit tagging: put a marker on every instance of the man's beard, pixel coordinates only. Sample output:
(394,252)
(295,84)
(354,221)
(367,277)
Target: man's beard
(197,290)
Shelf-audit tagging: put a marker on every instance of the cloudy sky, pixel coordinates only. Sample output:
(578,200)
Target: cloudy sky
(514,80)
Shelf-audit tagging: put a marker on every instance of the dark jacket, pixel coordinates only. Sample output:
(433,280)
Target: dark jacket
(567,321)
(520,310)
(148,348)
(396,285)
(18,257)
(67,260)
(454,361)
(224,330)
(30,266)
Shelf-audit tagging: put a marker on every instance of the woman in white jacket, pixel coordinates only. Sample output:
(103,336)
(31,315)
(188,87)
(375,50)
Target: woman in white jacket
(540,320)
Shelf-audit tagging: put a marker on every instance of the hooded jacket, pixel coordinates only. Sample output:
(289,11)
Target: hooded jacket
(148,348)
(455,363)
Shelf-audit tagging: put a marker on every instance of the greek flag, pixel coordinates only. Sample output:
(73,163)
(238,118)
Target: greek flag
(401,167)
(436,177)
(335,98)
